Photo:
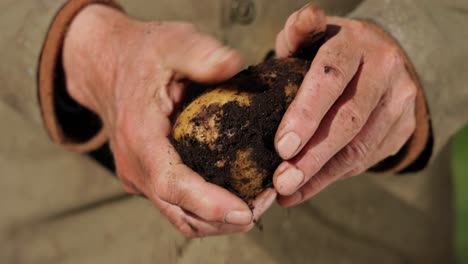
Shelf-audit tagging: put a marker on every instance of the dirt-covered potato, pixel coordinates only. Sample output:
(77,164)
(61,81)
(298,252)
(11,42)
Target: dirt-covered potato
(226,134)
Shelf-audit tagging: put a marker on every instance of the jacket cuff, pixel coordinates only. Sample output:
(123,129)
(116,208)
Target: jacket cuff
(69,124)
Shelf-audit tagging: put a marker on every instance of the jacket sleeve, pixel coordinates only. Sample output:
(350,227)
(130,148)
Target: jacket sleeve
(68,123)
(30,42)
(23,28)
(433,34)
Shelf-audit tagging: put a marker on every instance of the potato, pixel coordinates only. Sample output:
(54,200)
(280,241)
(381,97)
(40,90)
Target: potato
(226,134)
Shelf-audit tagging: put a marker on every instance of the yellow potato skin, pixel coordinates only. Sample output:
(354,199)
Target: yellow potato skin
(208,132)
(200,123)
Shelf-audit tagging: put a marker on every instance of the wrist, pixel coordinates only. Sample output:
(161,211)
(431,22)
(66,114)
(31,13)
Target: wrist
(90,58)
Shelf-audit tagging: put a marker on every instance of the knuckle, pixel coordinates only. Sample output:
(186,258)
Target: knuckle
(356,151)
(410,91)
(167,188)
(412,95)
(351,115)
(391,110)
(182,223)
(313,162)
(358,27)
(164,208)
(217,213)
(393,114)
(392,57)
(314,185)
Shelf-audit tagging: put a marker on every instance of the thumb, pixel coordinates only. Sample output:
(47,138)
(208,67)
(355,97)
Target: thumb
(303,28)
(198,56)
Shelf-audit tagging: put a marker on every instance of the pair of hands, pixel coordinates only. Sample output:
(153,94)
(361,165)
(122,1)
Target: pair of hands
(355,107)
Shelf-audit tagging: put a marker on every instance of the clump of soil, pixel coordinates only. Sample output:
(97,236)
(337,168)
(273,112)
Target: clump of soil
(226,133)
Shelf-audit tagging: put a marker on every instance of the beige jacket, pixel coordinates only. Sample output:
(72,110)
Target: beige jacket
(60,207)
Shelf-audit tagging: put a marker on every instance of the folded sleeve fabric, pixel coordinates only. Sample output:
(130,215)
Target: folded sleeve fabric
(68,123)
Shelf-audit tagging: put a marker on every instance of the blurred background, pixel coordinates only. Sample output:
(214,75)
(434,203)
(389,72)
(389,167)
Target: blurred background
(460,165)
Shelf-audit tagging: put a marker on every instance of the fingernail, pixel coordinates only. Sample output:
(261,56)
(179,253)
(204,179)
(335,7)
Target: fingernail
(220,55)
(265,202)
(288,145)
(289,181)
(238,217)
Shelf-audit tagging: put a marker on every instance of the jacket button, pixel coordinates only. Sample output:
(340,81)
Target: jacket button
(242,11)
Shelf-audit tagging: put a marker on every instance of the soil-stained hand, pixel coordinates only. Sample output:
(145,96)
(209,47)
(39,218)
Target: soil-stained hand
(132,74)
(356,105)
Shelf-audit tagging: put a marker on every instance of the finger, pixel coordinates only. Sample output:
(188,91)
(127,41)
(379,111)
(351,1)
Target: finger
(187,223)
(309,189)
(388,143)
(381,121)
(302,29)
(338,128)
(180,186)
(263,202)
(363,147)
(167,178)
(331,71)
(260,205)
(392,143)
(198,56)
(192,226)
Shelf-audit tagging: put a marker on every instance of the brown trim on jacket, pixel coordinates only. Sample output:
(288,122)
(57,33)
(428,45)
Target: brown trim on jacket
(49,62)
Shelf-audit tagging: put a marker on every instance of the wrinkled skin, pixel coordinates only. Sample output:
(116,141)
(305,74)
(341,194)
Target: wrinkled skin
(132,74)
(363,106)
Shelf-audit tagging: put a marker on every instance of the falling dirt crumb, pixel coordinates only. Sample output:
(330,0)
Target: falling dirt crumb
(259,224)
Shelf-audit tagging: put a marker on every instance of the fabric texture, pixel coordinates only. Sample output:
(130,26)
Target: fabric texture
(62,207)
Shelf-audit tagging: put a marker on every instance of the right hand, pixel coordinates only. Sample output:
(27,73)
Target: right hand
(132,74)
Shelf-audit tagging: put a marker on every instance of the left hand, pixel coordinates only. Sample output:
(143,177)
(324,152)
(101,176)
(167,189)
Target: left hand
(355,107)
(129,73)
